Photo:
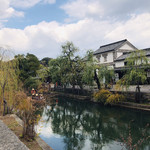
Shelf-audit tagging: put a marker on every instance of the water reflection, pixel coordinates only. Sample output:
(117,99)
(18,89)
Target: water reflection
(74,125)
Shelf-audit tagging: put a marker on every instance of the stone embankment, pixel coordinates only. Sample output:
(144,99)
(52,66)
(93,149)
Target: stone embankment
(8,140)
(131,105)
(68,95)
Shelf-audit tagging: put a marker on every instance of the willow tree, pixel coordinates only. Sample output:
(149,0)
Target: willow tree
(90,70)
(106,75)
(8,77)
(136,71)
(28,110)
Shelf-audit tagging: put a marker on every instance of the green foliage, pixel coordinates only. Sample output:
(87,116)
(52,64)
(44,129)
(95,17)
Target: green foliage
(68,68)
(28,66)
(45,61)
(44,74)
(89,68)
(68,50)
(105,75)
(137,63)
(55,68)
(8,77)
(32,82)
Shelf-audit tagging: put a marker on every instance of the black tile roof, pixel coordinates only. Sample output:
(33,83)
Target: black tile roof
(109,47)
(123,57)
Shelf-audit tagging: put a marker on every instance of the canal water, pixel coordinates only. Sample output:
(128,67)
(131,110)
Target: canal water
(75,125)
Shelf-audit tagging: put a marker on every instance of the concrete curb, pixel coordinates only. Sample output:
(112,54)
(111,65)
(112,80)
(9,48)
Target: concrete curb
(42,143)
(8,139)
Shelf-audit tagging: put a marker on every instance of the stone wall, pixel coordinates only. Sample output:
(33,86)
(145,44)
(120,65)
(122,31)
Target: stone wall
(132,88)
(130,95)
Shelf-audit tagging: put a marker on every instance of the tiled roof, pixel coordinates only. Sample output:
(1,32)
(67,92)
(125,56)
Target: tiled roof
(147,50)
(109,47)
(123,57)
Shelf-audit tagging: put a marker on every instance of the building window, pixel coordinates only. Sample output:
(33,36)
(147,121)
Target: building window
(105,57)
(98,57)
(125,63)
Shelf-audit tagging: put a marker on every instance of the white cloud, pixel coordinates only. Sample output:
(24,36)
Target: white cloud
(105,9)
(6,11)
(46,38)
(80,9)
(29,3)
(136,29)
(50,1)
(24,3)
(8,8)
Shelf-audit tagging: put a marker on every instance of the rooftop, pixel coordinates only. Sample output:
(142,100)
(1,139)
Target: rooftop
(123,57)
(110,47)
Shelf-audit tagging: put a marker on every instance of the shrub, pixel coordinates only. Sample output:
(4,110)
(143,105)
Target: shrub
(102,95)
(28,111)
(115,98)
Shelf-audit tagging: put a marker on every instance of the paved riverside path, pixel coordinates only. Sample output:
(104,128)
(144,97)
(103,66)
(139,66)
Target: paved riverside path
(8,140)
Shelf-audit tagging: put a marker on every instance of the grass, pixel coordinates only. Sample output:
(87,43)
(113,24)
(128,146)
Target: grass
(17,129)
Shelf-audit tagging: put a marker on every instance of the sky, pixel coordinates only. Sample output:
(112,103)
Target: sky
(40,27)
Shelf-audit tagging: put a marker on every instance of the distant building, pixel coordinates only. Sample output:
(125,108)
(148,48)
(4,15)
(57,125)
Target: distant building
(115,54)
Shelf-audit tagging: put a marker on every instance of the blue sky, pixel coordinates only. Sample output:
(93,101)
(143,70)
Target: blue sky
(42,26)
(38,13)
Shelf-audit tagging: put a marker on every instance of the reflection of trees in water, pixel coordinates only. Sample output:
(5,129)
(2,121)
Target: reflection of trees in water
(78,121)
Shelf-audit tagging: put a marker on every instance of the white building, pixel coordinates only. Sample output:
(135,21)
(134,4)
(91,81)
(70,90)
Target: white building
(115,54)
(107,54)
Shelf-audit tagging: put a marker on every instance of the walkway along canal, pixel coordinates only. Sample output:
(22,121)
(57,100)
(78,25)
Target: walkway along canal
(78,125)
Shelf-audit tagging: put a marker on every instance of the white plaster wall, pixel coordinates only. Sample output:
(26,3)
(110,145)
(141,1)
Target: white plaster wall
(119,54)
(109,58)
(95,58)
(126,47)
(110,67)
(119,64)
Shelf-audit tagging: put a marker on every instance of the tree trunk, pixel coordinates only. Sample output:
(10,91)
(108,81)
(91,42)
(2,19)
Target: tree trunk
(64,87)
(97,80)
(73,88)
(4,104)
(138,94)
(24,127)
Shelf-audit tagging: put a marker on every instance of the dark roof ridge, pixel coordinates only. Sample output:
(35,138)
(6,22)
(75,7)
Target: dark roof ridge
(146,49)
(114,43)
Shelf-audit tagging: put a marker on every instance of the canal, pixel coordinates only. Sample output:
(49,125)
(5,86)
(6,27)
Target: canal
(75,125)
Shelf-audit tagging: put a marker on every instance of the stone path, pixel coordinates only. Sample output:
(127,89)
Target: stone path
(8,140)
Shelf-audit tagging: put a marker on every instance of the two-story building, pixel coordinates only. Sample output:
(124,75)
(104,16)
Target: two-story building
(115,54)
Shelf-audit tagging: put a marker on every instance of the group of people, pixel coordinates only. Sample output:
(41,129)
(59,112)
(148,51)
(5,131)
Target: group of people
(35,95)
